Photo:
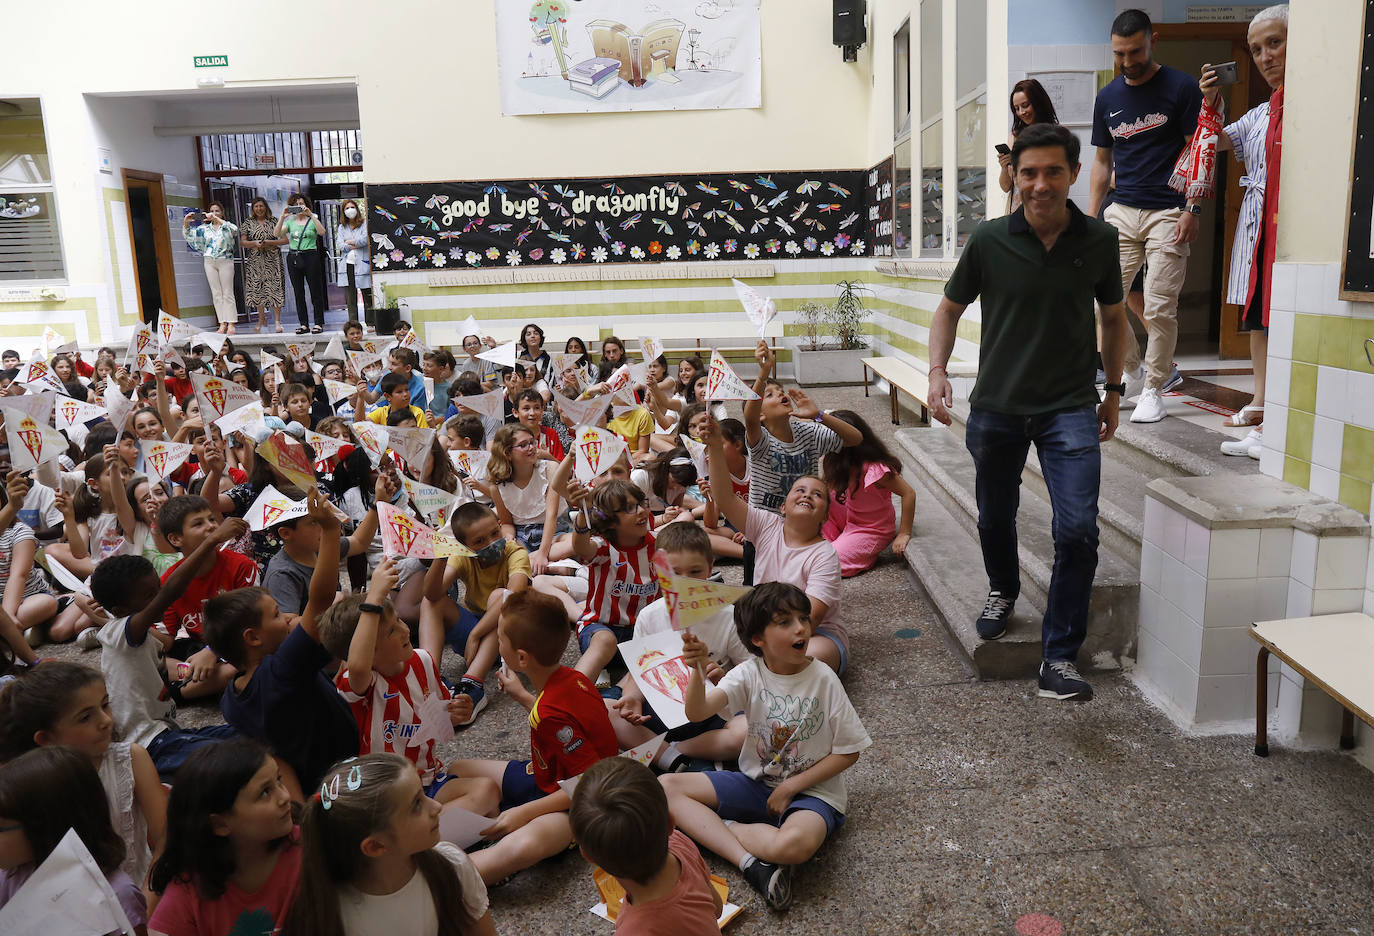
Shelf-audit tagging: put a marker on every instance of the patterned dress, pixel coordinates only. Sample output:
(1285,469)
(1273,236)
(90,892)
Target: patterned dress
(262,269)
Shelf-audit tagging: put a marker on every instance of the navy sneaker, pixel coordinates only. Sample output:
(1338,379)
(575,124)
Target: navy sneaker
(1060,680)
(992,623)
(1174,380)
(478,693)
(774,882)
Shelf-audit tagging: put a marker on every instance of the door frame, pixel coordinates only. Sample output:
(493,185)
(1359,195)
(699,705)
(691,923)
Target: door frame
(1233,343)
(162,240)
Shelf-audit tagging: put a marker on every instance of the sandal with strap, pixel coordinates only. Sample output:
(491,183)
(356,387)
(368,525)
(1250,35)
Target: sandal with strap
(1245,416)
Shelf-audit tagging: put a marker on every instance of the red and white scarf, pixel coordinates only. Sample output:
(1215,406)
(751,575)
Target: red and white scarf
(1196,170)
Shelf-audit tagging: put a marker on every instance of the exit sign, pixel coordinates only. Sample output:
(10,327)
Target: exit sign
(212,61)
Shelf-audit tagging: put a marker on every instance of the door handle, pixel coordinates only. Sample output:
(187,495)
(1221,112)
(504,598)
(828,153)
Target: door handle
(1368,343)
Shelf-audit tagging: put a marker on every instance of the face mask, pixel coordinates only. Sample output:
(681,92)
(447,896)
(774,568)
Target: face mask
(350,213)
(492,551)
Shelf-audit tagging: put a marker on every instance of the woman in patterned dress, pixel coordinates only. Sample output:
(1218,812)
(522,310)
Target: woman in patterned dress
(263,286)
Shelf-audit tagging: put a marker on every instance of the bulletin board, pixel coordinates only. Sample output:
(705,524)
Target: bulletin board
(1357,267)
(1072,91)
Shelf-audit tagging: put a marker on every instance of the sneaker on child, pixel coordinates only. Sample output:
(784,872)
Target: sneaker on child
(477,692)
(774,882)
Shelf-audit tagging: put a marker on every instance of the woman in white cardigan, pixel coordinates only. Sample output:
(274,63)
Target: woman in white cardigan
(353,259)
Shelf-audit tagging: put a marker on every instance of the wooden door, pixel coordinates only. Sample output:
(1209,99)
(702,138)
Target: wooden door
(151,248)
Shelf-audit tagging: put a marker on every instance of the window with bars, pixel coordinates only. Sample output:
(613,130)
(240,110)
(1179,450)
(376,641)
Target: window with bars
(292,150)
(30,242)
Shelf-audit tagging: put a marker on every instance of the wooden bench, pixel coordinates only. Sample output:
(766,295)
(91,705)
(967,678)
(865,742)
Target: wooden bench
(697,335)
(1334,652)
(900,376)
(557,330)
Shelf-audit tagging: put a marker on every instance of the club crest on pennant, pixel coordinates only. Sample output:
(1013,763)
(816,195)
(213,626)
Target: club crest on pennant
(405,531)
(165,326)
(69,409)
(216,394)
(592,450)
(666,674)
(272,510)
(141,341)
(157,457)
(31,436)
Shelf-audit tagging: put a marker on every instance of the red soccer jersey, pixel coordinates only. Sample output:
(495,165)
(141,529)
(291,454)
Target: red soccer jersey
(620,583)
(388,715)
(231,570)
(551,442)
(569,729)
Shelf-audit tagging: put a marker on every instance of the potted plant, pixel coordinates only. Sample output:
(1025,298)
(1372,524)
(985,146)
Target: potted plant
(832,342)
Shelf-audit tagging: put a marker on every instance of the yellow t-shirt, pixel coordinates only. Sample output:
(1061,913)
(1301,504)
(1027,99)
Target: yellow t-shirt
(638,422)
(379,416)
(480,581)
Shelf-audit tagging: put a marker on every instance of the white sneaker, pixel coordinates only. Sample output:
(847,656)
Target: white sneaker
(1252,441)
(1149,408)
(88,639)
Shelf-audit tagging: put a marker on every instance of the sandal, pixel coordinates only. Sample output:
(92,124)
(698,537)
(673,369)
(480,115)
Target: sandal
(317,330)
(302,330)
(1245,416)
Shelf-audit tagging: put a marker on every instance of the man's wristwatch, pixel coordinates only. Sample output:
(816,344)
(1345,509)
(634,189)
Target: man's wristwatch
(1118,388)
(1193,209)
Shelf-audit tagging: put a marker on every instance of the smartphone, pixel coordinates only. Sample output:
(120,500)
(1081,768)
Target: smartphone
(1003,148)
(297,209)
(194,217)
(1227,73)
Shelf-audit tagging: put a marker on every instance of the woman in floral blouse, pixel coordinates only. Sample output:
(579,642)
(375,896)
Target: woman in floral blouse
(263,286)
(216,240)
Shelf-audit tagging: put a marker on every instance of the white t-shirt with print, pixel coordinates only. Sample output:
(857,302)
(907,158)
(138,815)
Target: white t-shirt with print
(794,722)
(133,678)
(40,508)
(410,910)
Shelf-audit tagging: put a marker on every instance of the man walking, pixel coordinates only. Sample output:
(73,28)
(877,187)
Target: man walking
(1141,122)
(1038,272)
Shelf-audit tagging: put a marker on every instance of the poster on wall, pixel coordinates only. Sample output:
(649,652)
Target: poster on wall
(878,208)
(606,56)
(713,216)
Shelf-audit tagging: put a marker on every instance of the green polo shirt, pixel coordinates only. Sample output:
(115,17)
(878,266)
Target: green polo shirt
(1039,336)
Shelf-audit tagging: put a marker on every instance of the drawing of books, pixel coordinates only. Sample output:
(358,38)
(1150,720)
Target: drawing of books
(595,77)
(639,52)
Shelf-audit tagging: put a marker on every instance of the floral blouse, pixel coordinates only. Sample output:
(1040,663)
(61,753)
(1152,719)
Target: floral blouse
(219,243)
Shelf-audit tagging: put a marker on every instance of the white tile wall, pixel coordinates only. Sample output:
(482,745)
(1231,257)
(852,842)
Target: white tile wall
(1283,293)
(1332,394)
(1196,547)
(1174,678)
(1342,562)
(1275,432)
(1304,566)
(1277,384)
(1360,386)
(1311,287)
(1234,554)
(1280,333)
(1337,600)
(1155,513)
(1229,697)
(1328,438)
(1151,565)
(1271,462)
(1325,481)
(1275,551)
(1299,600)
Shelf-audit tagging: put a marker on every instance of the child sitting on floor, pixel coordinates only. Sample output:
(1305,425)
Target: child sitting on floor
(803,735)
(620,819)
(862,480)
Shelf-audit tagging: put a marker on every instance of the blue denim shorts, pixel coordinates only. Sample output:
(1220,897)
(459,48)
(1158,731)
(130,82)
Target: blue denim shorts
(742,798)
(839,645)
(170,749)
(586,631)
(458,634)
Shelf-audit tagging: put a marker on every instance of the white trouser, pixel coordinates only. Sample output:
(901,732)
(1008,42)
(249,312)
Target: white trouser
(220,273)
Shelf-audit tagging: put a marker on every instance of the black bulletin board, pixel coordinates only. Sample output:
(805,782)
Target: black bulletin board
(1357,273)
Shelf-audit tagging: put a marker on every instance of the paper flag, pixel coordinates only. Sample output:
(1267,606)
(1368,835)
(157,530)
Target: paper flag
(613,895)
(620,379)
(36,403)
(435,723)
(461,826)
(170,356)
(338,390)
(760,309)
(160,458)
(144,363)
(413,445)
(139,342)
(429,390)
(271,508)
(219,396)
(67,894)
(245,417)
(698,452)
(300,352)
(31,443)
(360,361)
(596,451)
(435,504)
(470,326)
(334,351)
(691,601)
(644,753)
(374,440)
(655,662)
(567,786)
(501,354)
(491,405)
(39,374)
(402,535)
(618,411)
(171,330)
(266,359)
(472,462)
(288,456)
(54,342)
(275,379)
(722,383)
(586,412)
(317,368)
(447,546)
(325,446)
(413,342)
(213,340)
(652,348)
(560,362)
(118,406)
(68,579)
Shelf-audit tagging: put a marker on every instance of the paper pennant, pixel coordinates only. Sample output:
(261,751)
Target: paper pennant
(213,340)
(220,396)
(561,361)
(402,535)
(501,354)
(67,894)
(461,826)
(596,450)
(370,346)
(656,665)
(39,374)
(271,508)
(644,753)
(620,379)
(72,412)
(267,359)
(54,342)
(172,330)
(160,458)
(489,404)
(429,389)
(434,503)
(697,451)
(288,456)
(325,446)
(299,352)
(374,440)
(652,348)
(694,600)
(586,412)
(413,445)
(317,368)
(35,403)
(447,546)
(144,363)
(413,342)
(338,390)
(31,443)
(360,361)
(760,309)
(334,351)
(722,383)
(472,462)
(118,406)
(245,417)
(139,342)
(170,355)
(618,411)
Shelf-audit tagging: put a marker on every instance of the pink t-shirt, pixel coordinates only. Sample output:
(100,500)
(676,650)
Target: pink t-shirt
(867,507)
(183,912)
(690,910)
(815,569)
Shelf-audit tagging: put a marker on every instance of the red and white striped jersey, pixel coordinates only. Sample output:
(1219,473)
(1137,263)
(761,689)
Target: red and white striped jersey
(388,714)
(619,584)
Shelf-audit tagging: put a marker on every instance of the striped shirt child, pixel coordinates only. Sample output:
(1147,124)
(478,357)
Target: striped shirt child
(620,583)
(388,714)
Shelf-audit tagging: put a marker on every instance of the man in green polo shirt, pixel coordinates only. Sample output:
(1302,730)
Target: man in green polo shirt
(1038,272)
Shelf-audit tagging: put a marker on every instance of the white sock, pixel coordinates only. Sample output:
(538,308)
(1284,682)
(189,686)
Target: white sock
(670,754)
(746,861)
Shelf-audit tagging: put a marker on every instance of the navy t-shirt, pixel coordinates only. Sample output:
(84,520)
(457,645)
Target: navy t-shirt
(293,708)
(1146,126)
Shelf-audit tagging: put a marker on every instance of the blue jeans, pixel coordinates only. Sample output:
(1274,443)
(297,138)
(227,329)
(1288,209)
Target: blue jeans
(1071,463)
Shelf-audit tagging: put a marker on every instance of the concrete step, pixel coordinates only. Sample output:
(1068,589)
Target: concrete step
(940,462)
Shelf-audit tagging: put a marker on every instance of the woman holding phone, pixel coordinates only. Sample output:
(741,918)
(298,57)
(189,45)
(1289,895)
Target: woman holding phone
(303,232)
(216,240)
(1030,104)
(263,286)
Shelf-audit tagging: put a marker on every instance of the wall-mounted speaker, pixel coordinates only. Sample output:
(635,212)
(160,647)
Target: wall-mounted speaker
(849,28)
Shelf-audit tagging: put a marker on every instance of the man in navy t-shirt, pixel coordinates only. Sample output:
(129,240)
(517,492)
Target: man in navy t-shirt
(1141,122)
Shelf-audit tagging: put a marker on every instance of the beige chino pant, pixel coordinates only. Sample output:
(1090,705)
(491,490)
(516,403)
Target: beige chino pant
(220,272)
(1148,234)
